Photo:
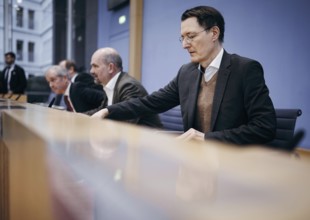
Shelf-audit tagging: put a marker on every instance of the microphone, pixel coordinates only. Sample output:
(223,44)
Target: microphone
(51,103)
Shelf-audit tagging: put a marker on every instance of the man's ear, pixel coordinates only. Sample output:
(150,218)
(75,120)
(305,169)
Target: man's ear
(66,77)
(71,69)
(215,32)
(111,67)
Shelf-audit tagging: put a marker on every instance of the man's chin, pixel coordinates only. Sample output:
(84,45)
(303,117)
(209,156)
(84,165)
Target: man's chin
(56,92)
(194,59)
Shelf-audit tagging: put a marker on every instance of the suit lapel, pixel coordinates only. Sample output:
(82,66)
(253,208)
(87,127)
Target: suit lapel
(193,90)
(116,90)
(6,73)
(222,78)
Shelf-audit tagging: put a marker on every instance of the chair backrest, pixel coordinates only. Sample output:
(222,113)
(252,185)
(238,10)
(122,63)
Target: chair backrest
(286,121)
(172,119)
(38,90)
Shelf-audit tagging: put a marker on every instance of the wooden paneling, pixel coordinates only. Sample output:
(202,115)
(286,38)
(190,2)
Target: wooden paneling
(4,185)
(303,154)
(15,97)
(28,180)
(135,38)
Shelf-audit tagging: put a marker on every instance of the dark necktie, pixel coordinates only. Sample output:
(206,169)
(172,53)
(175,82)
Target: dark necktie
(68,104)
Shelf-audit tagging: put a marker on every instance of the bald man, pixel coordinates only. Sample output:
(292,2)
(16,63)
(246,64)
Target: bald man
(107,69)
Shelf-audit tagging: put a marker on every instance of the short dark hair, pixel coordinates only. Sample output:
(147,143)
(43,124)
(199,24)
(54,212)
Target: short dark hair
(207,17)
(11,54)
(69,64)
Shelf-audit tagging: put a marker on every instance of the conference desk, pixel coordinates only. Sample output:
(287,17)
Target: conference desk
(61,165)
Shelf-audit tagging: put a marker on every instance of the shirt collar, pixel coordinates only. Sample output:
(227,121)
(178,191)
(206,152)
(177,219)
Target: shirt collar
(214,66)
(12,67)
(67,92)
(112,82)
(217,60)
(73,77)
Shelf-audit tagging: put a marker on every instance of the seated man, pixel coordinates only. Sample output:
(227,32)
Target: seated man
(74,76)
(79,96)
(107,69)
(71,68)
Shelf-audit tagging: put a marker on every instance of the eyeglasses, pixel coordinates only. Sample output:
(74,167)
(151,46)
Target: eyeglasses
(190,37)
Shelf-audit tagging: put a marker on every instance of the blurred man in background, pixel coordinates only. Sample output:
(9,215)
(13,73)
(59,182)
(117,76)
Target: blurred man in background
(13,78)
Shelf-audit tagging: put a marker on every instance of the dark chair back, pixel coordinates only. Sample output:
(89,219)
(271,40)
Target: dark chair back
(172,119)
(38,90)
(286,121)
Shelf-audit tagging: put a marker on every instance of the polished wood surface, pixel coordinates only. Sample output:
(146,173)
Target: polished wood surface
(303,154)
(67,166)
(15,97)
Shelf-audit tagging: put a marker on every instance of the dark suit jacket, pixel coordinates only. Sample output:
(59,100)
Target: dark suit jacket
(84,98)
(18,81)
(85,94)
(242,111)
(87,79)
(126,88)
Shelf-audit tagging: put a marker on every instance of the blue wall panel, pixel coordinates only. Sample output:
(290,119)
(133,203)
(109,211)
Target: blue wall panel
(113,34)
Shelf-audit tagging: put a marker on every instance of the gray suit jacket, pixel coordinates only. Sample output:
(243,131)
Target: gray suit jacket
(125,89)
(242,111)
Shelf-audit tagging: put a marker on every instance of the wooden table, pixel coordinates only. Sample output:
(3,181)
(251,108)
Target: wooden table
(63,165)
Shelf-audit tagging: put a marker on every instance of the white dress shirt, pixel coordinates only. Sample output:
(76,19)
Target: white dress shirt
(109,88)
(73,77)
(8,75)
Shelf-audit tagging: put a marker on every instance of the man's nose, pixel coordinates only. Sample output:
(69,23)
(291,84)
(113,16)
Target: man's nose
(91,71)
(185,45)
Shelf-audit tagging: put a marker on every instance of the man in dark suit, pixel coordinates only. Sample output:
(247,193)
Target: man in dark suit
(222,96)
(12,79)
(71,68)
(79,96)
(107,69)
(73,75)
